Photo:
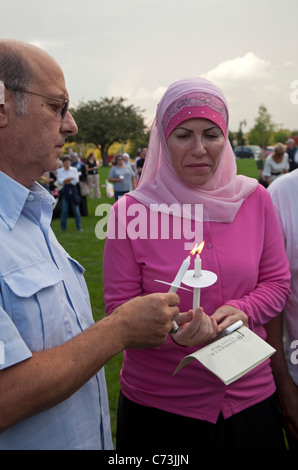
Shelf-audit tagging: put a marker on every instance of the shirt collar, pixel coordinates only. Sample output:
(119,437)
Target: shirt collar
(14,196)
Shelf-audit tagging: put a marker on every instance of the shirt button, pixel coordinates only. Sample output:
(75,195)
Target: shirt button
(208,245)
(30,197)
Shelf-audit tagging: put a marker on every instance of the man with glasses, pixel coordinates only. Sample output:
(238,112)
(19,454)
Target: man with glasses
(52,385)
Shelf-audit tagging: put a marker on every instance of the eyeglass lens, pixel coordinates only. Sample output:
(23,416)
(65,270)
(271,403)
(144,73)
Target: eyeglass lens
(64,109)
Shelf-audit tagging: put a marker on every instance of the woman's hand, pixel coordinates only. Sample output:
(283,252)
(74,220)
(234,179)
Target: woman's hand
(226,315)
(194,329)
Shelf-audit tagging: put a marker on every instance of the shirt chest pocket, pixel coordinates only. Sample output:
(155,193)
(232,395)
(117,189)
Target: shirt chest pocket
(33,299)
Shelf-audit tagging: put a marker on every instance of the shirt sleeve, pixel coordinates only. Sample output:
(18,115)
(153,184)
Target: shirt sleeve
(273,286)
(75,175)
(60,176)
(267,168)
(15,349)
(112,173)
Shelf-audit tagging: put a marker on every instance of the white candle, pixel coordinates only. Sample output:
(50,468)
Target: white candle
(198,266)
(196,298)
(180,275)
(197,290)
(197,273)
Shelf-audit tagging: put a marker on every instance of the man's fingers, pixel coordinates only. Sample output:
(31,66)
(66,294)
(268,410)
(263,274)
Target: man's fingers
(172,299)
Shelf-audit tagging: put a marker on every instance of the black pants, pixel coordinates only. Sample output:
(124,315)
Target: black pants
(292,442)
(142,428)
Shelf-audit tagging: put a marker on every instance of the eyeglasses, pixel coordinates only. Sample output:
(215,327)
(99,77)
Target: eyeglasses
(65,102)
(279,154)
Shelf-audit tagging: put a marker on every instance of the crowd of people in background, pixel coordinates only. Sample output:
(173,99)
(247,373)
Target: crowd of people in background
(78,178)
(125,174)
(281,160)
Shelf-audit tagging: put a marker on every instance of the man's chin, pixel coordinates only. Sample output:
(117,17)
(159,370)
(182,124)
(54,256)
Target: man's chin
(55,164)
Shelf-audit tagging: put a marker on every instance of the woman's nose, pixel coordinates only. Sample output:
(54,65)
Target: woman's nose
(198,146)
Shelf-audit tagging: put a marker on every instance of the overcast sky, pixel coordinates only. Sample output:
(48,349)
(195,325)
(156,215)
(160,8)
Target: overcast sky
(136,48)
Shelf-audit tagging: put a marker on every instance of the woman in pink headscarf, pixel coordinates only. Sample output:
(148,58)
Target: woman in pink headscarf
(190,163)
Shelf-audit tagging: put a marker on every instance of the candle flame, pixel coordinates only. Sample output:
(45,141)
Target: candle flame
(197,248)
(194,249)
(200,248)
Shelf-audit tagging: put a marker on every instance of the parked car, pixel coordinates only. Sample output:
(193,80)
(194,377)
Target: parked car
(247,151)
(243,151)
(256,150)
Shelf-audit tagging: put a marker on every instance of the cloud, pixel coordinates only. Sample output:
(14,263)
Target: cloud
(139,95)
(45,45)
(248,67)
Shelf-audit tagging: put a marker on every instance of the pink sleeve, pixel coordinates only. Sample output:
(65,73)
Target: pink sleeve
(121,272)
(273,287)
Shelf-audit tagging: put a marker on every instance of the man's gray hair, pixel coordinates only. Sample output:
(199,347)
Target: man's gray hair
(16,73)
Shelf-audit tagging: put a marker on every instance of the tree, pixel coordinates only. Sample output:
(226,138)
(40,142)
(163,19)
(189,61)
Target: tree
(105,122)
(263,129)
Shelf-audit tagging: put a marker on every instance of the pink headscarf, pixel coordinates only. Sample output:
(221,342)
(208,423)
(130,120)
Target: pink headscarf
(224,193)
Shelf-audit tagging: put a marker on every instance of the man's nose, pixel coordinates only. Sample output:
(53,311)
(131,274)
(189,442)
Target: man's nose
(68,125)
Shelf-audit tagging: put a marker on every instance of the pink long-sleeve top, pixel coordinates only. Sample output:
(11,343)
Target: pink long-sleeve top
(249,259)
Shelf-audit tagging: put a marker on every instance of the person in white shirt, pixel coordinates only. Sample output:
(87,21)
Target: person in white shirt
(283,330)
(277,164)
(68,176)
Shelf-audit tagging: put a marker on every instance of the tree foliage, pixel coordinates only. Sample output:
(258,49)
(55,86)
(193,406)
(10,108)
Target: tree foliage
(107,121)
(263,129)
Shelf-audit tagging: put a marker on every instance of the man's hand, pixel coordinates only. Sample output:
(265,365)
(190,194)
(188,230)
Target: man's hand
(146,321)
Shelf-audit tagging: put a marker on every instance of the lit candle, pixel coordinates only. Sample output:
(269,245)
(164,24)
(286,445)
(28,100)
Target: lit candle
(180,275)
(197,273)
(176,284)
(198,262)
(198,266)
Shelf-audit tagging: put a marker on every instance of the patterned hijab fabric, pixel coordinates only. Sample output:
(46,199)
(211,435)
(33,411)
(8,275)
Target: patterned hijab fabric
(200,105)
(223,195)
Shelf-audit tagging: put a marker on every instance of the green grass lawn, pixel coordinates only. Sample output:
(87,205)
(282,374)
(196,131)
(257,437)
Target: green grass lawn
(87,249)
(247,167)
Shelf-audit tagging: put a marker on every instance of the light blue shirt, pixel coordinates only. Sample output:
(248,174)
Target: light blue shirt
(126,172)
(44,302)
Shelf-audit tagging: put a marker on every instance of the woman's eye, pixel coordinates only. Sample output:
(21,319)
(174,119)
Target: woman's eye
(183,136)
(211,136)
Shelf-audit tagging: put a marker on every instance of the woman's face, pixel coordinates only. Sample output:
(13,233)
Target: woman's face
(278,155)
(195,148)
(119,160)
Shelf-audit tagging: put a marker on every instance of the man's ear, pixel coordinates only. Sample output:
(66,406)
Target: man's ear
(2,92)
(3,109)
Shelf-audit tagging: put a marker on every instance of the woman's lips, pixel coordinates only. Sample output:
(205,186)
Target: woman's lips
(197,165)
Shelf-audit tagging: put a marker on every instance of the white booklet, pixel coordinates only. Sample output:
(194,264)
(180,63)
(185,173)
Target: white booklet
(231,356)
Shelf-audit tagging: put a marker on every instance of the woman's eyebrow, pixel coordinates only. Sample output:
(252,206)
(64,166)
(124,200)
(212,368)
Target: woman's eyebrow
(191,130)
